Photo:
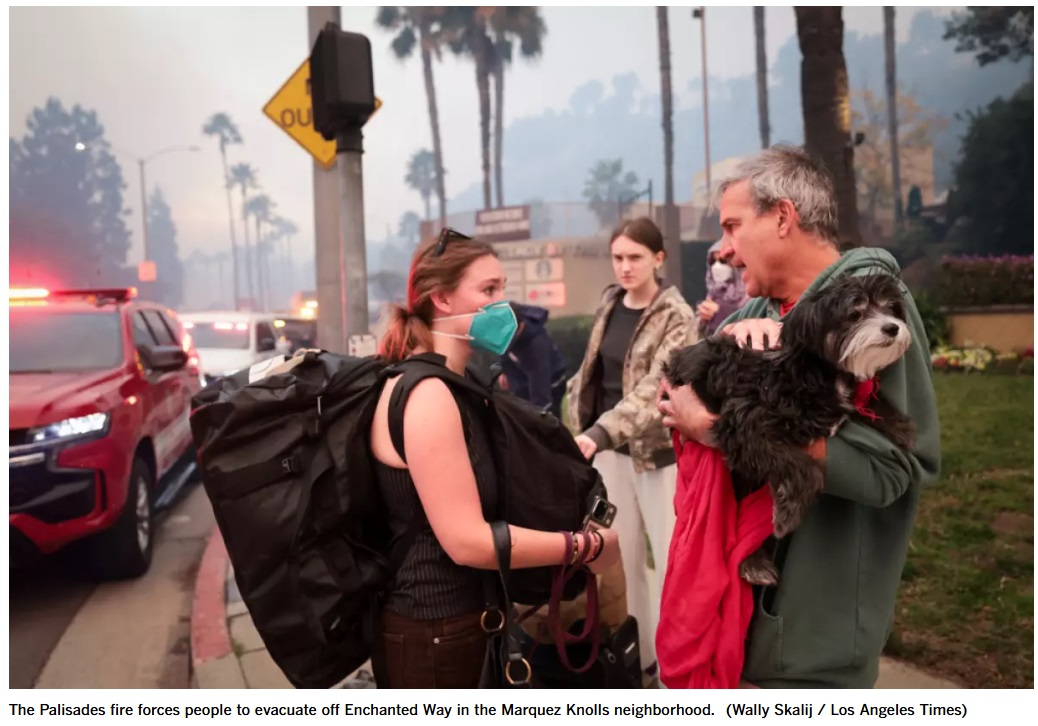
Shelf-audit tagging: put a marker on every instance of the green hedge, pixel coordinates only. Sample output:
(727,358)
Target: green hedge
(985,281)
(934,321)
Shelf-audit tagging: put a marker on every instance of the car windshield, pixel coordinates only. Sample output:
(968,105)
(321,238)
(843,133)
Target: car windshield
(232,336)
(54,341)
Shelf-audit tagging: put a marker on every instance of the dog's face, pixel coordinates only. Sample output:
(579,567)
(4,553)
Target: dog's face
(856,323)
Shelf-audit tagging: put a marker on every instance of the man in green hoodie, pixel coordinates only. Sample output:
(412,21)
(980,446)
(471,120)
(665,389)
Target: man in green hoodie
(825,624)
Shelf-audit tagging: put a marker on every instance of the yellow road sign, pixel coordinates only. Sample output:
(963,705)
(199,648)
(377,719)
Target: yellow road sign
(292,110)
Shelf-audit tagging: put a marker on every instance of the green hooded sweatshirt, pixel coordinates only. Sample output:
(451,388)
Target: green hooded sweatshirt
(828,619)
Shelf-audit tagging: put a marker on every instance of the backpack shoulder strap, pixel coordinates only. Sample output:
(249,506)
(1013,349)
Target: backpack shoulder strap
(415,370)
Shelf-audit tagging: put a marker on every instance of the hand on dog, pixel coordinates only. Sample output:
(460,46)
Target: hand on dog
(682,410)
(587,445)
(762,334)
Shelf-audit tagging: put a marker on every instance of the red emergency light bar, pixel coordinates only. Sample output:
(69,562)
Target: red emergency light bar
(114,294)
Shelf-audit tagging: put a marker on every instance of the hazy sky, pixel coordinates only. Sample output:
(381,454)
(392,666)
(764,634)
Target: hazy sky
(155,74)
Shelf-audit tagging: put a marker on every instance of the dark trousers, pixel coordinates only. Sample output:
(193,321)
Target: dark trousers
(442,653)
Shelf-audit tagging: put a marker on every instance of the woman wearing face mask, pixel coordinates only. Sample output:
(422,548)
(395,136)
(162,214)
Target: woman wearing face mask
(725,293)
(612,399)
(432,635)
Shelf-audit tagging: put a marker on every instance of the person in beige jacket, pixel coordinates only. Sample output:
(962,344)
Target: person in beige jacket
(612,400)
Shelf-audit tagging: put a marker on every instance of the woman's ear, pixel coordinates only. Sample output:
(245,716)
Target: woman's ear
(441,301)
(660,259)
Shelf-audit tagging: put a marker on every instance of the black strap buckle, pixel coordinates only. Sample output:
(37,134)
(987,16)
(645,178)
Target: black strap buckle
(290,465)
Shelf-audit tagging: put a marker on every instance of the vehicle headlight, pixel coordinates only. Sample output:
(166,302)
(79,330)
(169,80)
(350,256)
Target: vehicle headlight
(69,428)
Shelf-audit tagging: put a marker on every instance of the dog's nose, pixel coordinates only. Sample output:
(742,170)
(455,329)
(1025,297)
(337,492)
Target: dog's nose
(891,330)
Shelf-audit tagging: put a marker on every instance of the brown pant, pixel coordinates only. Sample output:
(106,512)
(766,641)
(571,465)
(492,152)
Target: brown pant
(444,653)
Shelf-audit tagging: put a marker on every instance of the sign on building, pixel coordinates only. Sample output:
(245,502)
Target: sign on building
(508,224)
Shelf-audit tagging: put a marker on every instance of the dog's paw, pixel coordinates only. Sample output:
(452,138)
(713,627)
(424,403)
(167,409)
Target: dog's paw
(757,569)
(782,522)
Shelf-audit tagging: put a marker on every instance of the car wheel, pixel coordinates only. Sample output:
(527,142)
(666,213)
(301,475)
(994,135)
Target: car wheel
(124,551)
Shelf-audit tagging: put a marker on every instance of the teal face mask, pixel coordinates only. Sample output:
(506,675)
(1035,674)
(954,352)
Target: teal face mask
(492,329)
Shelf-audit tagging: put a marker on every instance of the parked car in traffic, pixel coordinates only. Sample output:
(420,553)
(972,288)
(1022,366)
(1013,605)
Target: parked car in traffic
(100,394)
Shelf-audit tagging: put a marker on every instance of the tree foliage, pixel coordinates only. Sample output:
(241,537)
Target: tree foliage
(917,129)
(421,175)
(68,222)
(162,242)
(993,199)
(606,186)
(410,225)
(993,33)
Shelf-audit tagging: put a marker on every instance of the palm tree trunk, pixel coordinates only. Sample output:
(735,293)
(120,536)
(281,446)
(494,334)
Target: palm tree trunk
(671,224)
(663,28)
(260,292)
(762,77)
(434,120)
(890,43)
(248,251)
(428,211)
(483,85)
(825,95)
(499,127)
(230,220)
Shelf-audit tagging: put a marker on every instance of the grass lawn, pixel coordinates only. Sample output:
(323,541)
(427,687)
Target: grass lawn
(966,606)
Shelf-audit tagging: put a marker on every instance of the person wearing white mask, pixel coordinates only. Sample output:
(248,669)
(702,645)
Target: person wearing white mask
(725,293)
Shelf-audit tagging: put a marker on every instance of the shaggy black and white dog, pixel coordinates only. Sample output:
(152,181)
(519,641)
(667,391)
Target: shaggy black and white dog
(772,404)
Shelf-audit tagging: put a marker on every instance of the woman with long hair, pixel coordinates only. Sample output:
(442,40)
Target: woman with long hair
(612,399)
(431,631)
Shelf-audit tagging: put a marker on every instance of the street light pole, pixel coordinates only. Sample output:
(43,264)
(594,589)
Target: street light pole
(700,14)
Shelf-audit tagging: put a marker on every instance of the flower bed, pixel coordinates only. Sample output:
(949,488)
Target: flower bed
(971,359)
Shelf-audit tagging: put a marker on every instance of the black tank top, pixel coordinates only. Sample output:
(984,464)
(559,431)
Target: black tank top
(429,584)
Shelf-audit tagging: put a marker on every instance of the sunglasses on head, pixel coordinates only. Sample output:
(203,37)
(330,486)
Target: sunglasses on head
(446,235)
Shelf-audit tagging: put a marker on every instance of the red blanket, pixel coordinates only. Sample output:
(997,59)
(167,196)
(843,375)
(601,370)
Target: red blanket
(706,607)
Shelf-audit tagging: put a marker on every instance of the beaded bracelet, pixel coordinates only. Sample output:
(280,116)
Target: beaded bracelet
(568,547)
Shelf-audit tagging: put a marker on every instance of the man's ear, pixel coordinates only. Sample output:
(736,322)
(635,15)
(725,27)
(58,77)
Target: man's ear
(788,218)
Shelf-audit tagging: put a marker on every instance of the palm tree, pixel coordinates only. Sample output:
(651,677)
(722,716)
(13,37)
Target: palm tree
(467,32)
(287,230)
(419,26)
(606,187)
(826,103)
(217,262)
(283,230)
(421,175)
(762,77)
(244,177)
(221,126)
(410,228)
(525,25)
(890,45)
(671,226)
(259,208)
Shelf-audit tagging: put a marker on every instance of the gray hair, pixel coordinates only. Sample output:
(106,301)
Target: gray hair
(789,172)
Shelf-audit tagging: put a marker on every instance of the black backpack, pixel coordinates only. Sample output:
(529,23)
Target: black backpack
(544,480)
(286,463)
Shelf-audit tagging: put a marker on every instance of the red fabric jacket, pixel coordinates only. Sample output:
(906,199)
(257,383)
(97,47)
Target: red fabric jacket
(706,606)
